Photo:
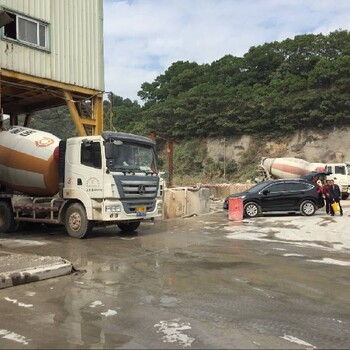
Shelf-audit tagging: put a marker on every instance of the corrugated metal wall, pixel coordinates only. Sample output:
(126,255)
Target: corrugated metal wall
(76,42)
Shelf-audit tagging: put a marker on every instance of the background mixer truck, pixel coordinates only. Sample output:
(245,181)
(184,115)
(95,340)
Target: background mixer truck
(286,168)
(80,182)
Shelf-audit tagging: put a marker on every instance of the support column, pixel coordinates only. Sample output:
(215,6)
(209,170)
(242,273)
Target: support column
(74,113)
(27,120)
(97,102)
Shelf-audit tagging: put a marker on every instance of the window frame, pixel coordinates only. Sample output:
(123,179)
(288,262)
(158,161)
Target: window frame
(276,185)
(298,186)
(93,149)
(303,186)
(340,169)
(39,23)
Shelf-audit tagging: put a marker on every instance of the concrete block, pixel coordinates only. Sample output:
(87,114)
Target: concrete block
(16,269)
(185,201)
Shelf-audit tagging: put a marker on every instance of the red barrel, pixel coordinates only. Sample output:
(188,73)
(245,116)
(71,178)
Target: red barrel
(235,208)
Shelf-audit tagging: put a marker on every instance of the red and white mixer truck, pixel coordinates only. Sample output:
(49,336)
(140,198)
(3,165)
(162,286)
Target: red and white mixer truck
(287,168)
(110,179)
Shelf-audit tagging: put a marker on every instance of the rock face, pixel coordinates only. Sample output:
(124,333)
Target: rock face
(314,146)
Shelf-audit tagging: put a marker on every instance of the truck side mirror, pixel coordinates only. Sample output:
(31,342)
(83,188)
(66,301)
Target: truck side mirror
(109,150)
(265,192)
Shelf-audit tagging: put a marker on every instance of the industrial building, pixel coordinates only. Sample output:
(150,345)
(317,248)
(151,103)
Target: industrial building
(51,54)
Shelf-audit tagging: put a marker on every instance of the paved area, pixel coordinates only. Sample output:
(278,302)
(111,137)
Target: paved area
(277,282)
(16,269)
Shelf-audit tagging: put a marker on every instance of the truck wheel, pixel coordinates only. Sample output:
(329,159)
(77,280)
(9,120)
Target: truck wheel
(251,210)
(76,222)
(307,208)
(128,227)
(7,223)
(344,196)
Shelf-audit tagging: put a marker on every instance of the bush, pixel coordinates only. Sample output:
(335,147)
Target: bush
(189,157)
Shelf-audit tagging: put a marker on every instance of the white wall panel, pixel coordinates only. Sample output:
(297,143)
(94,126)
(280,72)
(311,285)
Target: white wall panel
(76,42)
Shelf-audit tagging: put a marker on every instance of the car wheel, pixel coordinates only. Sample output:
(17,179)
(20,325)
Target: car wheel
(251,210)
(307,208)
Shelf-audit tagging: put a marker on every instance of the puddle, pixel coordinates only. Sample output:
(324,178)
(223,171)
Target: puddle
(168,301)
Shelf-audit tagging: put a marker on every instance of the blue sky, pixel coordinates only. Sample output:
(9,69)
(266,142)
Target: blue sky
(142,38)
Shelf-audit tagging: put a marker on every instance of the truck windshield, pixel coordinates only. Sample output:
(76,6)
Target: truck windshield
(129,157)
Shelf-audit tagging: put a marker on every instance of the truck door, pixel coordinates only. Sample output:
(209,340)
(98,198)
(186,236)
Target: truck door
(91,179)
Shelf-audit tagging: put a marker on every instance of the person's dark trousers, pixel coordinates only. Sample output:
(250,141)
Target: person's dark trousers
(328,205)
(341,209)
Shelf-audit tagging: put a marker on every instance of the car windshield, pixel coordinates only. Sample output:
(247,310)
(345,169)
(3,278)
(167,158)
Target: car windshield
(128,157)
(258,187)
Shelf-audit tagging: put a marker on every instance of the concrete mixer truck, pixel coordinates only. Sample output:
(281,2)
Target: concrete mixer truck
(287,168)
(110,179)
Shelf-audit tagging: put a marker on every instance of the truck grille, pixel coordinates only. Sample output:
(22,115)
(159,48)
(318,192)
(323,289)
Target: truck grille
(137,191)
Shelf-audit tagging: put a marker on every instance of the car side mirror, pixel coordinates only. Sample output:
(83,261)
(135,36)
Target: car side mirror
(265,192)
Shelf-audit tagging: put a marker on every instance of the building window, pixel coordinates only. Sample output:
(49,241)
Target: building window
(27,30)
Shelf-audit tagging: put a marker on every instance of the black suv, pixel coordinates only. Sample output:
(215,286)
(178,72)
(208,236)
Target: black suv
(297,195)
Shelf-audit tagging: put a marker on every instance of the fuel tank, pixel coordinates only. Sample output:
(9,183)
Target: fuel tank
(27,161)
(288,168)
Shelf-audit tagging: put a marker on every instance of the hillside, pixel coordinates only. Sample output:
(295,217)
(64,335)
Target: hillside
(314,146)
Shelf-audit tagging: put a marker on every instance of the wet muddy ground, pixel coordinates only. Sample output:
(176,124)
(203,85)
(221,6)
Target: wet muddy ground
(277,282)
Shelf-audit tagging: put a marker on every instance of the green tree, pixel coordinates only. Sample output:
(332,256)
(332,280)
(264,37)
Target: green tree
(277,87)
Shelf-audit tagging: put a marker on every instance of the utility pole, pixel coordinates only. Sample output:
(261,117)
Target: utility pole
(224,157)
(110,111)
(170,151)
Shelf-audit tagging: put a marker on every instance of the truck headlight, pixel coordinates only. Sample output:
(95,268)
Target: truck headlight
(113,209)
(160,208)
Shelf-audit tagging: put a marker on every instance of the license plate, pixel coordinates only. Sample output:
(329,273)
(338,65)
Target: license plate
(140,211)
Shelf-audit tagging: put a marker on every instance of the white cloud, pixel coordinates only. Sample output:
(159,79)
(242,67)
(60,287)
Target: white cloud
(142,38)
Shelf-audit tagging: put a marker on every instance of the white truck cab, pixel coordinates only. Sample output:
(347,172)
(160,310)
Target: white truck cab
(341,176)
(109,179)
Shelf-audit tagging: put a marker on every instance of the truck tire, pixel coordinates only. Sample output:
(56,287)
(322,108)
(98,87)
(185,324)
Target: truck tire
(251,210)
(128,227)
(76,223)
(344,196)
(307,208)
(7,223)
